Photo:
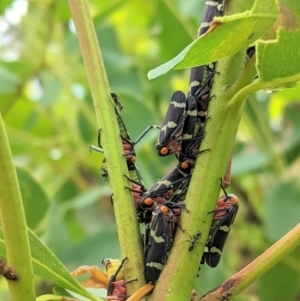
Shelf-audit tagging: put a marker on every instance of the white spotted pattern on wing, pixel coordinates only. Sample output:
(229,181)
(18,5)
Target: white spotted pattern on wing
(187,136)
(164,128)
(178,104)
(192,113)
(225,228)
(205,24)
(165,182)
(171,124)
(156,265)
(221,7)
(194,83)
(215,250)
(158,239)
(211,3)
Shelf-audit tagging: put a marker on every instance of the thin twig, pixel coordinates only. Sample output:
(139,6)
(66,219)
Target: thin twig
(253,271)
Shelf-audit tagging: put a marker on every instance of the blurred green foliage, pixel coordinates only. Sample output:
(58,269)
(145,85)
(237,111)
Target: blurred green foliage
(49,116)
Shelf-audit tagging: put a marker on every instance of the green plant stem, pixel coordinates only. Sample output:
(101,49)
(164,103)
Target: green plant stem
(242,94)
(260,84)
(244,80)
(241,280)
(265,137)
(124,208)
(14,225)
(246,77)
(268,259)
(182,266)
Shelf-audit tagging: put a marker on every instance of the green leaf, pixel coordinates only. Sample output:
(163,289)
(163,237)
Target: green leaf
(9,81)
(290,12)
(93,249)
(282,209)
(35,200)
(282,53)
(4,4)
(273,286)
(49,297)
(248,163)
(29,120)
(51,87)
(59,291)
(173,28)
(226,36)
(47,265)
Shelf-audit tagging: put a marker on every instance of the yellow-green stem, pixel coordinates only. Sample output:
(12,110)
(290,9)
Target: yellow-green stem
(268,259)
(182,266)
(128,229)
(14,225)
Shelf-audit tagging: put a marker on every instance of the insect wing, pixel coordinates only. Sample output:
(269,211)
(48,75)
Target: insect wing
(188,128)
(190,120)
(202,94)
(167,185)
(173,122)
(195,79)
(180,193)
(212,9)
(115,97)
(201,76)
(158,246)
(218,236)
(122,127)
(135,176)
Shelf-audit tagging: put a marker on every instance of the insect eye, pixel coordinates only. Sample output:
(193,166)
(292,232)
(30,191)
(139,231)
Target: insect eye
(148,202)
(233,198)
(164,151)
(184,165)
(164,209)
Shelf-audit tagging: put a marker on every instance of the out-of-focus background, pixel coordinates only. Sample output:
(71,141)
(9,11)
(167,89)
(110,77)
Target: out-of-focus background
(48,111)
